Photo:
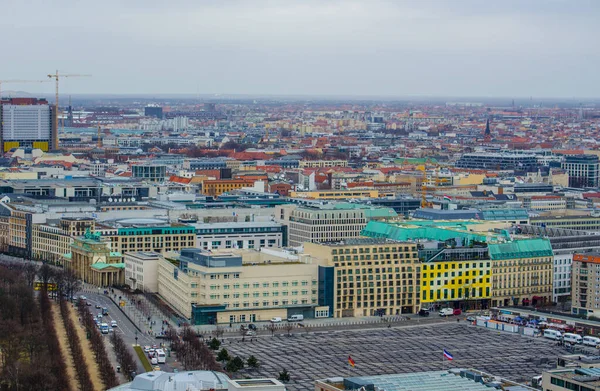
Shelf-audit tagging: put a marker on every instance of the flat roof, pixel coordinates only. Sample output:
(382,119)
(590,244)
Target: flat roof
(250,224)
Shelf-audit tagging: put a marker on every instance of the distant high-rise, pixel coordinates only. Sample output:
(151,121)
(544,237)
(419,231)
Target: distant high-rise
(584,170)
(153,111)
(27,123)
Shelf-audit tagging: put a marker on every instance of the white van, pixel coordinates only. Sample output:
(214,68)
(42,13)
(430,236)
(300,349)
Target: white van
(295,318)
(572,338)
(591,341)
(552,334)
(446,312)
(276,319)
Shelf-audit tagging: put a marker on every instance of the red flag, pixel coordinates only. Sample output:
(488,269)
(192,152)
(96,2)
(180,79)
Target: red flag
(351,361)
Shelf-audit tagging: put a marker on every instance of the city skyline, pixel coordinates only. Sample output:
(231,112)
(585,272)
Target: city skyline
(386,49)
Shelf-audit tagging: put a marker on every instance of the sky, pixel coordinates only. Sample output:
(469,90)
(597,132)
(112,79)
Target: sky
(396,48)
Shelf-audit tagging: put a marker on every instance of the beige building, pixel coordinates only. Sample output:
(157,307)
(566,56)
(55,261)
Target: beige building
(49,243)
(323,163)
(141,270)
(371,276)
(229,286)
(306,224)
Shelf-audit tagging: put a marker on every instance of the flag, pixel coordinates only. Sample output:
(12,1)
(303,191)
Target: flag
(447,198)
(351,361)
(447,355)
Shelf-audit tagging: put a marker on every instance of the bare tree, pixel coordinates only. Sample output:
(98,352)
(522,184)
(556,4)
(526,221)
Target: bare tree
(72,284)
(272,328)
(218,332)
(45,273)
(30,270)
(289,327)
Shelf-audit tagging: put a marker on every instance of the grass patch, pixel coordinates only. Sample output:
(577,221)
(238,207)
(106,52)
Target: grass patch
(145,363)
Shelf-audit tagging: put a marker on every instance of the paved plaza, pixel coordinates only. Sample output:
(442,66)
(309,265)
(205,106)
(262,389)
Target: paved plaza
(312,356)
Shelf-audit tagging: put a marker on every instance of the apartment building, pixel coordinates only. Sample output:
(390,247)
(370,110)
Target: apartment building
(585,285)
(248,235)
(322,163)
(367,277)
(522,272)
(583,170)
(229,286)
(339,194)
(141,270)
(216,187)
(457,278)
(315,224)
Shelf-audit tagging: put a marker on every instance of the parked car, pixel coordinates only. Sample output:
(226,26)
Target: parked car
(276,319)
(252,326)
(456,311)
(446,312)
(295,318)
(423,312)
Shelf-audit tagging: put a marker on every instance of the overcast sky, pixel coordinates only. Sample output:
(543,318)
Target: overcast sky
(516,48)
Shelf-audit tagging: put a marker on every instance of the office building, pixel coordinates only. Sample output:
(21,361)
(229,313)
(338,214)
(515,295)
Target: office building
(141,271)
(498,161)
(27,123)
(216,187)
(582,169)
(231,286)
(153,111)
(314,224)
(575,222)
(248,235)
(367,276)
(149,172)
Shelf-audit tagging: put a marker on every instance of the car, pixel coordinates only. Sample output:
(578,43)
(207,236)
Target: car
(446,312)
(276,319)
(252,326)
(154,347)
(154,361)
(423,312)
(88,303)
(83,297)
(250,333)
(113,323)
(99,316)
(243,327)
(146,349)
(156,368)
(98,306)
(456,311)
(471,318)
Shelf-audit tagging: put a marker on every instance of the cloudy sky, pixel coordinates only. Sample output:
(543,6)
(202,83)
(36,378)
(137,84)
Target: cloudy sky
(500,48)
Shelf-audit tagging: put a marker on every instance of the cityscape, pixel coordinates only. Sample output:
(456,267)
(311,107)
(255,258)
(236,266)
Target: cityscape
(254,198)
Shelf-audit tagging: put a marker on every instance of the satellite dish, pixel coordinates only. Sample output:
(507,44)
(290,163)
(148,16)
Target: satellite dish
(110,200)
(132,199)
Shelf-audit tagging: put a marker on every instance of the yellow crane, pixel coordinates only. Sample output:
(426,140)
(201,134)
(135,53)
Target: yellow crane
(20,81)
(56,76)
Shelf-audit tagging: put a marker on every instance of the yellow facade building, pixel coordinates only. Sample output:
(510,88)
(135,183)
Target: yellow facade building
(336,194)
(457,278)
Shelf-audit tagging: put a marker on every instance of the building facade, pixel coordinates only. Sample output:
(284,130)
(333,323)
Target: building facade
(248,235)
(322,225)
(27,123)
(582,169)
(230,286)
(585,299)
(370,276)
(522,272)
(141,271)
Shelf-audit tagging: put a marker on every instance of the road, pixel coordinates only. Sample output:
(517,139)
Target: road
(124,325)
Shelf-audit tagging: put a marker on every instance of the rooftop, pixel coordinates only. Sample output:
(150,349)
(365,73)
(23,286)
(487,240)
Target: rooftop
(180,381)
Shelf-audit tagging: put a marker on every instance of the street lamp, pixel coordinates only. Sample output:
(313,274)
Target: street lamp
(136,338)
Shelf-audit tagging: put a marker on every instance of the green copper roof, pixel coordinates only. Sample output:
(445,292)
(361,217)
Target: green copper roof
(68,255)
(524,248)
(415,160)
(375,229)
(102,265)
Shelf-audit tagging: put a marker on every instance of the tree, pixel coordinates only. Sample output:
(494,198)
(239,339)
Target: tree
(223,355)
(218,332)
(30,270)
(252,362)
(238,362)
(45,274)
(72,284)
(284,376)
(289,327)
(214,344)
(272,328)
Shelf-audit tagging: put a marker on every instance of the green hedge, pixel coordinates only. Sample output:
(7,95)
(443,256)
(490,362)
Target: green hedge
(140,353)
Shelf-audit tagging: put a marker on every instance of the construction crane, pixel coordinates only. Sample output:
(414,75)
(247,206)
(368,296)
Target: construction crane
(20,81)
(56,76)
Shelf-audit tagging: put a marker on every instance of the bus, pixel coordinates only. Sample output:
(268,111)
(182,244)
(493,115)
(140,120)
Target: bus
(160,355)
